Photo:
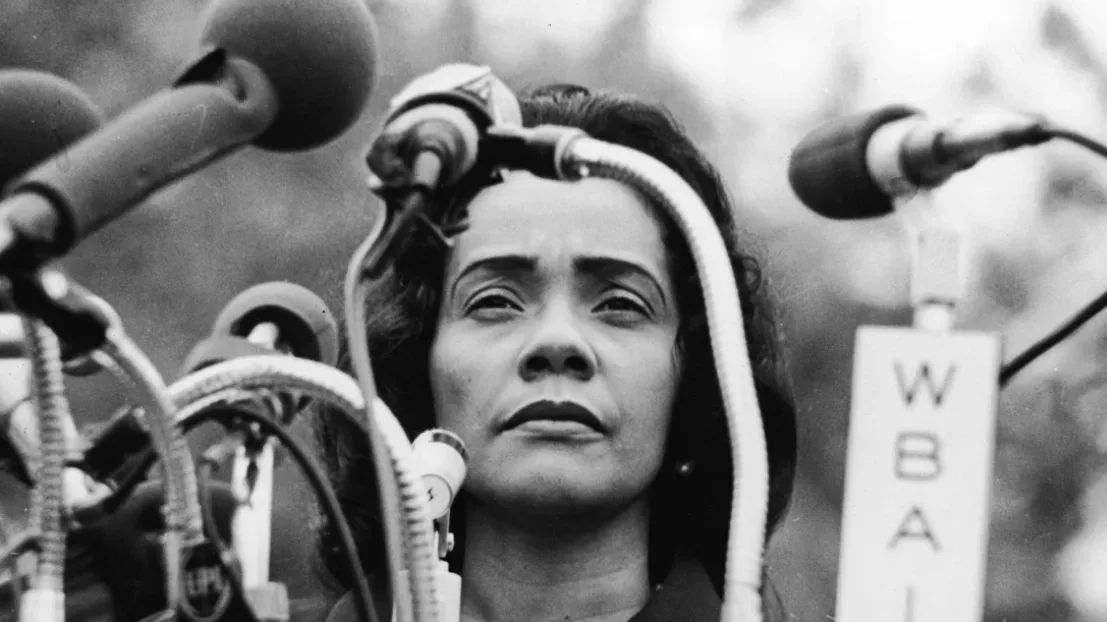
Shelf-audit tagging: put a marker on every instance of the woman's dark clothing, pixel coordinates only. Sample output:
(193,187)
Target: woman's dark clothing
(686,595)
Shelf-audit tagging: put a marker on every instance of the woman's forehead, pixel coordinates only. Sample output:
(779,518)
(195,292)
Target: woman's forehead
(537,216)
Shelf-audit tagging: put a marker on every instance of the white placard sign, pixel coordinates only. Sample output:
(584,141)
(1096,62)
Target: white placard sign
(918,476)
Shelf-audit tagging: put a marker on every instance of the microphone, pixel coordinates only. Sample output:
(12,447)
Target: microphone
(321,59)
(281,74)
(442,462)
(441,114)
(40,115)
(855,168)
(280,316)
(851,168)
(432,139)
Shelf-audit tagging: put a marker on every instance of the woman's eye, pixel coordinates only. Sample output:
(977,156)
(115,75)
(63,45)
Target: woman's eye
(492,301)
(622,303)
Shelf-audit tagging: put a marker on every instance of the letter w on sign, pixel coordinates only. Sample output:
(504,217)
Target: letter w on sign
(918,474)
(923,381)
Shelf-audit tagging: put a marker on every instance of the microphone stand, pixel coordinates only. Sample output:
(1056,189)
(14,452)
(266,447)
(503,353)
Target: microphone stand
(920,450)
(252,525)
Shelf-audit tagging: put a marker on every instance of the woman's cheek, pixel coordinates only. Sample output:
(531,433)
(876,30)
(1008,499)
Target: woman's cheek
(458,380)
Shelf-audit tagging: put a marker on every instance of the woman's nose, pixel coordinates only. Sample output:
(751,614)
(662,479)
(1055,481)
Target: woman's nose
(557,349)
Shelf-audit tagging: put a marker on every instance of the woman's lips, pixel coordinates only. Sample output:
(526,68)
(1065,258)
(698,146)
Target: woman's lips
(553,417)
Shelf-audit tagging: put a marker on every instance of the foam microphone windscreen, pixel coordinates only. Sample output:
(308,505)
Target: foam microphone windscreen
(40,114)
(321,58)
(829,170)
(307,327)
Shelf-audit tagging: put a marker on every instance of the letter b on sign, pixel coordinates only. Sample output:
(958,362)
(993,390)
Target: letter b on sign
(917,456)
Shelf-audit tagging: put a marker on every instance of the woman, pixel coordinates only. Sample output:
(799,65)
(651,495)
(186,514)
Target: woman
(563,338)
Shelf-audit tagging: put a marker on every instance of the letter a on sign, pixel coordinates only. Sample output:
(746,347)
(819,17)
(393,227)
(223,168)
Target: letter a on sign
(918,473)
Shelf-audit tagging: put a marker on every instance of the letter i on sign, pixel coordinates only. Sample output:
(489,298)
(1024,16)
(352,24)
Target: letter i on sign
(918,476)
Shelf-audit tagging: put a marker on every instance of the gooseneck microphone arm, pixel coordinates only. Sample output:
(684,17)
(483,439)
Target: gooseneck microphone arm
(580,156)
(46,598)
(417,531)
(73,314)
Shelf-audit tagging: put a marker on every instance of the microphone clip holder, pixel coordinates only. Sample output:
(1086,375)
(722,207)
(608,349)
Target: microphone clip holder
(541,150)
(81,321)
(936,265)
(406,213)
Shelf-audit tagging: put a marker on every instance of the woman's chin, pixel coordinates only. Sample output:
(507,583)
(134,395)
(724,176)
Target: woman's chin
(552,484)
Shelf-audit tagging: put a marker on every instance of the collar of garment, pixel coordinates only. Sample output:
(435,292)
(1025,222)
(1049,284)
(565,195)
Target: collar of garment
(686,594)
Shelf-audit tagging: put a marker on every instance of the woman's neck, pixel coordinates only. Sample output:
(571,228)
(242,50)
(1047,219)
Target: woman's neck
(518,571)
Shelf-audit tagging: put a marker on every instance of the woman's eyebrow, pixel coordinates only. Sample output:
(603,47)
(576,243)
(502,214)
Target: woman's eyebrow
(591,265)
(606,266)
(497,263)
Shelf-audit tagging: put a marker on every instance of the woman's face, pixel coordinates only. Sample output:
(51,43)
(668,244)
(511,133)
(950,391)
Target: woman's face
(555,357)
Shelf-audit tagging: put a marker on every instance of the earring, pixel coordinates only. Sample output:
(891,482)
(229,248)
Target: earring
(685,468)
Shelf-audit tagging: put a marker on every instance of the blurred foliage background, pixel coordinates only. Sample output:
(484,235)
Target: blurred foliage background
(748,78)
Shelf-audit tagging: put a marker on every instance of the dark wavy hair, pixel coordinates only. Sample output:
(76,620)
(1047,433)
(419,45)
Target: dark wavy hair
(690,512)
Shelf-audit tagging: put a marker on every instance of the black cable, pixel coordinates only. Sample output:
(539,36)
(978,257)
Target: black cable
(1022,360)
(134,476)
(1077,138)
(1089,311)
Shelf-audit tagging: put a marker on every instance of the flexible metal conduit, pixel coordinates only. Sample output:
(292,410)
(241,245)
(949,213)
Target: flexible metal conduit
(746,542)
(46,598)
